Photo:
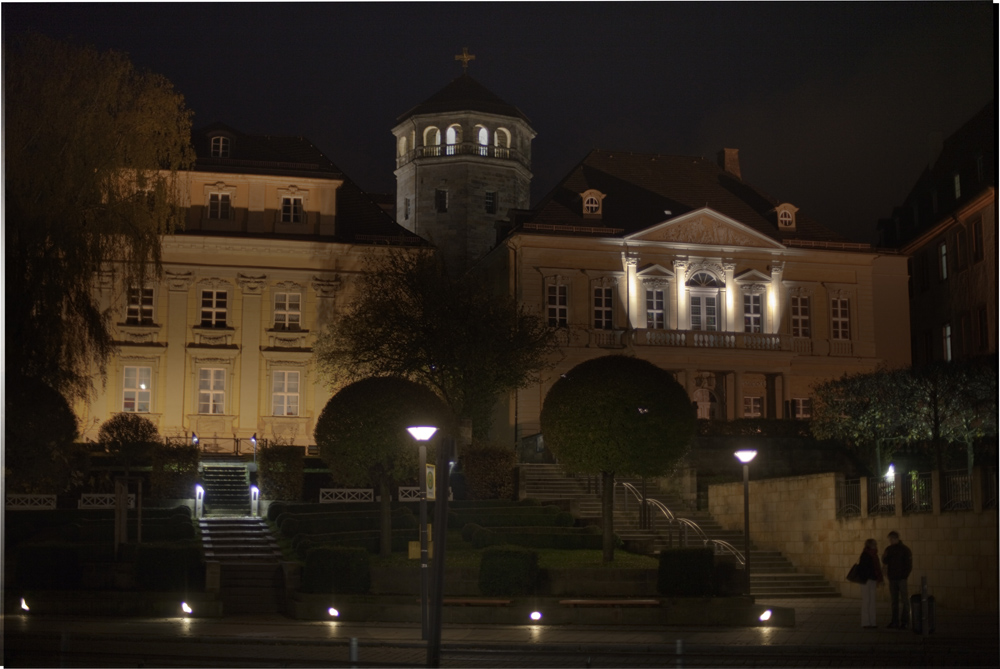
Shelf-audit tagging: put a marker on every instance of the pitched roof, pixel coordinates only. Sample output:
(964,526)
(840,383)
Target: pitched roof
(465,94)
(641,187)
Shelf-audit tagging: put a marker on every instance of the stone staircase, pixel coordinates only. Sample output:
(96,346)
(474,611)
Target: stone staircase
(251,576)
(227,488)
(771,574)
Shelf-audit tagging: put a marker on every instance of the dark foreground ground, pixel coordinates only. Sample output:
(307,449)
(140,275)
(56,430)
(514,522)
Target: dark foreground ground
(827,633)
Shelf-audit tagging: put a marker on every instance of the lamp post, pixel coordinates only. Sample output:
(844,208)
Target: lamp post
(745,457)
(422,435)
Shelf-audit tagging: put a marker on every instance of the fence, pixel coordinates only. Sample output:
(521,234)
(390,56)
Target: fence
(849,498)
(917,493)
(14,502)
(881,496)
(957,491)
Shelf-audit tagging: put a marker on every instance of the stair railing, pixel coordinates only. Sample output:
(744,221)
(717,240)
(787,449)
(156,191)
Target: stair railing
(719,546)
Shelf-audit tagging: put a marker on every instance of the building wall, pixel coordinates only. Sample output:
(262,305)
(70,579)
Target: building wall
(956,551)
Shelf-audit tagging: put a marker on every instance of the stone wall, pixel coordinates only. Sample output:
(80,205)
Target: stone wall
(956,551)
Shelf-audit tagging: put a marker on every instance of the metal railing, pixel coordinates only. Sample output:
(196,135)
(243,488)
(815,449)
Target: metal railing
(956,491)
(849,498)
(881,497)
(917,493)
(462,149)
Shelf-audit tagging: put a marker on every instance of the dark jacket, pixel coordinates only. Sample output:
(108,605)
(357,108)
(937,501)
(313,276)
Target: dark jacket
(868,566)
(898,560)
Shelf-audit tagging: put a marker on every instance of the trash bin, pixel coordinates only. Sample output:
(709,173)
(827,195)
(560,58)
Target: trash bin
(917,614)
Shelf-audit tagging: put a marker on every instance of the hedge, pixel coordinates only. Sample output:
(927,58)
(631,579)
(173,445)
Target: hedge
(511,517)
(508,570)
(336,569)
(686,572)
(280,471)
(70,524)
(370,540)
(489,472)
(291,524)
(755,427)
(175,471)
(169,567)
(565,538)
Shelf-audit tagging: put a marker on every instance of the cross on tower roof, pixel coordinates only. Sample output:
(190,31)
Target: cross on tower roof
(465,57)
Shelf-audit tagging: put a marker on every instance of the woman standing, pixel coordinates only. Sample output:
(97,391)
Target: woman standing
(868,566)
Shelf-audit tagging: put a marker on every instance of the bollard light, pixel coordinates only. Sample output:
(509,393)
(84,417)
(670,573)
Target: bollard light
(24,605)
(334,613)
(536,615)
(764,617)
(185,608)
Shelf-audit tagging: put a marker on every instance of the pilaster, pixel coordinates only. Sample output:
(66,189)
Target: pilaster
(775,298)
(178,292)
(630,261)
(250,326)
(680,280)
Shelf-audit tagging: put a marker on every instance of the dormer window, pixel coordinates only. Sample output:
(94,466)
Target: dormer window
(593,203)
(786,216)
(220,147)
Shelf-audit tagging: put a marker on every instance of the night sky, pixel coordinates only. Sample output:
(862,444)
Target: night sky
(829,104)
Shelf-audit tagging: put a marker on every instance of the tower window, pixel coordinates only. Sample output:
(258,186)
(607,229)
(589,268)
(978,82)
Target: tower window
(785,219)
(943,261)
(483,139)
(220,147)
(441,200)
(491,202)
(591,205)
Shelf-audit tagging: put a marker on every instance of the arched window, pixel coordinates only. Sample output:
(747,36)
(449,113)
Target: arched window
(402,146)
(220,147)
(432,141)
(483,139)
(704,301)
(785,218)
(591,205)
(453,136)
(501,140)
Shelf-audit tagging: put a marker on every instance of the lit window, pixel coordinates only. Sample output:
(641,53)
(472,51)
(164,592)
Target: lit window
(603,312)
(840,318)
(591,205)
(136,389)
(287,311)
(441,201)
(220,147)
(218,205)
(452,137)
(958,186)
(655,312)
(291,210)
(752,312)
(501,143)
(557,305)
(943,261)
(140,306)
(491,202)
(704,301)
(483,139)
(753,407)
(801,408)
(285,398)
(211,390)
(800,316)
(213,308)
(946,341)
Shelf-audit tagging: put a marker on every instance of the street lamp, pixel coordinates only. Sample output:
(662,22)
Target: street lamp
(422,435)
(745,457)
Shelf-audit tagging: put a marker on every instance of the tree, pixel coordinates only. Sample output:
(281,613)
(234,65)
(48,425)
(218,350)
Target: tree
(40,426)
(457,336)
(617,415)
(92,151)
(362,436)
(129,437)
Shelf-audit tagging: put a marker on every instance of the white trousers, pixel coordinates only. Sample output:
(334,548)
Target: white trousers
(868,591)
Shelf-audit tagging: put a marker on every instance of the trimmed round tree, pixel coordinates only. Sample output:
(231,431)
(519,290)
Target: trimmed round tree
(362,436)
(128,436)
(617,415)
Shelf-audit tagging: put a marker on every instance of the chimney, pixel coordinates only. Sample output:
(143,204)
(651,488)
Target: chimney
(729,160)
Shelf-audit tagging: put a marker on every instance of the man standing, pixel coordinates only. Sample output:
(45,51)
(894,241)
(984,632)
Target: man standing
(898,560)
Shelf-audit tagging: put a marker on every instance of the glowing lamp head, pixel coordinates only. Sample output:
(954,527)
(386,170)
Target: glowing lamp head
(185,608)
(422,433)
(194,438)
(334,613)
(890,473)
(253,439)
(24,605)
(536,615)
(199,490)
(764,617)
(745,456)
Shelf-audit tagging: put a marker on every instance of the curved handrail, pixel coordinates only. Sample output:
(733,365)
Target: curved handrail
(729,547)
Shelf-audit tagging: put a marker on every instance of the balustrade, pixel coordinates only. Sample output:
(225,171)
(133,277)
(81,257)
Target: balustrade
(334,495)
(705,339)
(461,149)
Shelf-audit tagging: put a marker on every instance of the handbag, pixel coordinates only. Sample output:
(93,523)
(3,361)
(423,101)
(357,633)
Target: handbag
(854,575)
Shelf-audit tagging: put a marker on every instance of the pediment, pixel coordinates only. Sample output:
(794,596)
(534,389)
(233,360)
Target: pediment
(707,227)
(654,271)
(752,275)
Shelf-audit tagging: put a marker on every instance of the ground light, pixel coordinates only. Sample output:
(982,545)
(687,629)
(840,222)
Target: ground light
(185,608)
(334,613)
(24,605)
(764,617)
(536,615)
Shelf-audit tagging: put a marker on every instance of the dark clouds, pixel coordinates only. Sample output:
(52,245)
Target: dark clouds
(830,104)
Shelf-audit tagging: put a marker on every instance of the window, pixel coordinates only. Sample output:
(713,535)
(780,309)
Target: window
(483,139)
(752,312)
(441,201)
(220,147)
(801,408)
(211,390)
(655,312)
(957,179)
(491,202)
(961,244)
(140,306)
(785,219)
(840,318)
(291,210)
(753,407)
(591,205)
(946,341)
(287,311)
(432,141)
(557,304)
(704,300)
(136,389)
(603,313)
(406,209)
(285,398)
(943,261)
(800,316)
(213,308)
(218,205)
(984,329)
(977,239)
(452,137)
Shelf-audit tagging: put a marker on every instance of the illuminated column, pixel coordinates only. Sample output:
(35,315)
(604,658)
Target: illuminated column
(250,327)
(631,300)
(730,322)
(775,298)
(178,285)
(683,321)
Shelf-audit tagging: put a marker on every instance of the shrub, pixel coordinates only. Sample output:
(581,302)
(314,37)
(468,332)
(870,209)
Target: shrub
(686,572)
(336,569)
(470,529)
(292,524)
(489,471)
(175,471)
(508,570)
(563,538)
(370,540)
(280,471)
(129,437)
(515,516)
(49,566)
(169,567)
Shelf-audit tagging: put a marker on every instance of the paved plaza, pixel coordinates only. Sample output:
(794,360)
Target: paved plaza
(827,633)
